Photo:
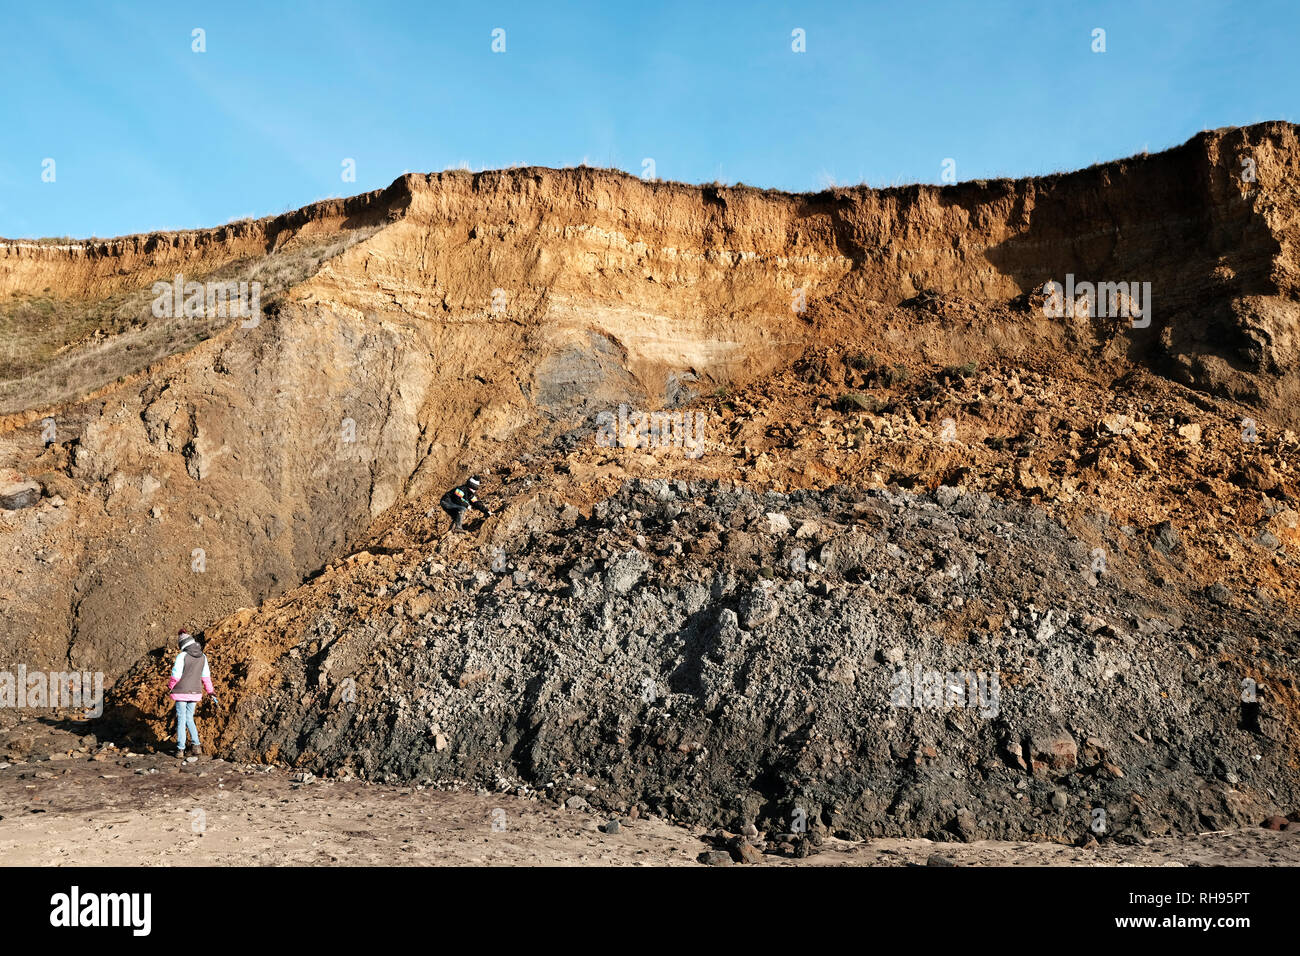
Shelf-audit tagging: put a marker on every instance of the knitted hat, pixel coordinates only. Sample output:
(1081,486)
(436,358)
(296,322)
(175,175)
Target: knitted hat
(184,638)
(473,482)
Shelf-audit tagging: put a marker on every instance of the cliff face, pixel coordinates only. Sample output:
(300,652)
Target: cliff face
(421,330)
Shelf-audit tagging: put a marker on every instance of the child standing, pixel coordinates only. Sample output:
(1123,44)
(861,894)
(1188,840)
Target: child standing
(189,679)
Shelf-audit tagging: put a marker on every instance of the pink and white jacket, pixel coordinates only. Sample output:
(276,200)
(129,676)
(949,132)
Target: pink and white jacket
(190,676)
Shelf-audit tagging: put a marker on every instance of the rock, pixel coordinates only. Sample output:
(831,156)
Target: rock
(1092,752)
(1255,474)
(1053,753)
(623,573)
(1013,752)
(848,552)
(575,803)
(965,826)
(612,827)
(808,529)
(777,523)
(1117,424)
(419,604)
(745,852)
(1059,800)
(716,858)
(758,607)
(1167,539)
(936,860)
(947,495)
(19,494)
(1275,823)
(470,678)
(1219,594)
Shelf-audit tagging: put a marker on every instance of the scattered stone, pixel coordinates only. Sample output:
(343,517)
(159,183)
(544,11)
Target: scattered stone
(758,607)
(626,571)
(777,523)
(965,826)
(745,852)
(19,494)
(1167,539)
(1053,753)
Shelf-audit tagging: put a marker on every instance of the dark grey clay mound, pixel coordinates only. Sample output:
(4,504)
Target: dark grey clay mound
(872,663)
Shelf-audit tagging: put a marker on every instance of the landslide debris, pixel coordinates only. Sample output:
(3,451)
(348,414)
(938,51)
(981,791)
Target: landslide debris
(886,662)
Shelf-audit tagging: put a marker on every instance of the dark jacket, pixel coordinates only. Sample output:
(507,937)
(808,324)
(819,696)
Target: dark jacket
(460,498)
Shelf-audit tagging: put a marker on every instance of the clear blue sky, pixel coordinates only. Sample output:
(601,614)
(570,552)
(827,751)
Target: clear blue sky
(147,134)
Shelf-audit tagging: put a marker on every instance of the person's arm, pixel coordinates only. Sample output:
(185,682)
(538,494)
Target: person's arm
(480,506)
(207,678)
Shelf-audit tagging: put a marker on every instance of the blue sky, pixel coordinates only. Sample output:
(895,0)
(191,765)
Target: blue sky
(147,134)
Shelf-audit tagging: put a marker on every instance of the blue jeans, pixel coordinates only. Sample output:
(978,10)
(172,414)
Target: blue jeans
(185,719)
